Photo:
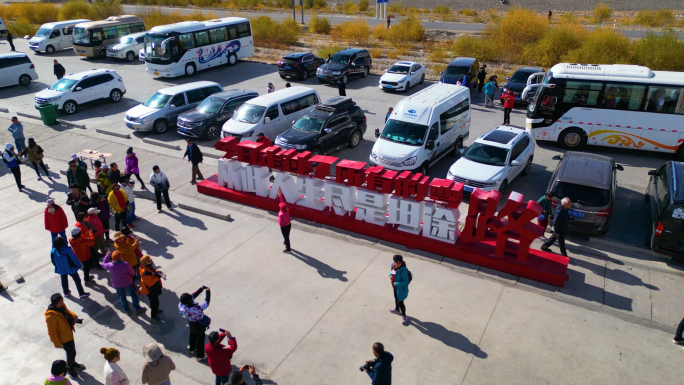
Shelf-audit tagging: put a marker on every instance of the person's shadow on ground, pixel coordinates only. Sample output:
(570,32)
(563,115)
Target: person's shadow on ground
(324,270)
(447,337)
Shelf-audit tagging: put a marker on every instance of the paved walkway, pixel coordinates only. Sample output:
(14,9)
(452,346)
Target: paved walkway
(311,317)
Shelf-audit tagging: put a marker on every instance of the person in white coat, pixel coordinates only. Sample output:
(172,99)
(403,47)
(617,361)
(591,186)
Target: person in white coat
(113,374)
(131,217)
(161,185)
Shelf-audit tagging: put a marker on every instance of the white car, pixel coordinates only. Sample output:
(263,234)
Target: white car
(494,160)
(128,47)
(73,90)
(402,75)
(16,68)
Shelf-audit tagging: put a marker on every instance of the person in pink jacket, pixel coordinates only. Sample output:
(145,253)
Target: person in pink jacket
(132,167)
(284,221)
(99,232)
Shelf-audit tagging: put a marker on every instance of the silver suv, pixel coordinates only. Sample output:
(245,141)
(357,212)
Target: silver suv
(161,110)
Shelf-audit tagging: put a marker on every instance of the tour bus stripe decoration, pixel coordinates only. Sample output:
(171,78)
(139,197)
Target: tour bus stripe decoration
(402,207)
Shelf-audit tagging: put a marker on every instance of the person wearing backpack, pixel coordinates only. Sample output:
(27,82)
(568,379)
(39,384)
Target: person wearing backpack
(400,278)
(198,323)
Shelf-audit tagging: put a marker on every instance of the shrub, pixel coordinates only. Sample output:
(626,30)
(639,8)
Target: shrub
(319,25)
(72,10)
(355,31)
(661,18)
(204,3)
(375,52)
(348,8)
(437,68)
(436,54)
(29,13)
(396,8)
(602,46)
(660,52)
(442,10)
(326,50)
(472,46)
(568,18)
(601,13)
(519,28)
(314,4)
(270,33)
(467,12)
(154,17)
(392,54)
(283,3)
(102,9)
(22,28)
(380,32)
(406,31)
(363,5)
(557,43)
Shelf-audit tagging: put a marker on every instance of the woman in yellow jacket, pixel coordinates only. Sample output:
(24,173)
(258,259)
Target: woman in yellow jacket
(60,325)
(126,248)
(118,200)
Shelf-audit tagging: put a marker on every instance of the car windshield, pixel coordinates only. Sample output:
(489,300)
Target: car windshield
(158,100)
(249,113)
(486,154)
(584,195)
(126,40)
(397,69)
(521,76)
(456,71)
(210,105)
(339,58)
(80,36)
(63,85)
(43,32)
(404,132)
(309,123)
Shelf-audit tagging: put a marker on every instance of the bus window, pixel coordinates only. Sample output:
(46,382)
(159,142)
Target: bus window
(217,35)
(96,36)
(109,33)
(663,99)
(232,33)
(202,38)
(186,41)
(449,118)
(584,93)
(137,27)
(123,30)
(620,96)
(243,30)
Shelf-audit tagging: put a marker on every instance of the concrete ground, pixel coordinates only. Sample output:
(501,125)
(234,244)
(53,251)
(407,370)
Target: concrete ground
(312,316)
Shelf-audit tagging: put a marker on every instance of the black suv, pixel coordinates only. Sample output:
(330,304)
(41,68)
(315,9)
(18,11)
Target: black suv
(665,231)
(331,125)
(341,65)
(299,65)
(206,120)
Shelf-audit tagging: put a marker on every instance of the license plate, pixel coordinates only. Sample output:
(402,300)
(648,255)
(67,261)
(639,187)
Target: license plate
(468,189)
(156,73)
(576,214)
(129,125)
(111,54)
(320,76)
(387,86)
(287,67)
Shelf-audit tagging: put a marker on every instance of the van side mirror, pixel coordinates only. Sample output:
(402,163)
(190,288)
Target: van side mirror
(78,89)
(377,132)
(619,167)
(653,172)
(327,131)
(172,106)
(515,163)
(430,145)
(461,151)
(557,157)
(267,119)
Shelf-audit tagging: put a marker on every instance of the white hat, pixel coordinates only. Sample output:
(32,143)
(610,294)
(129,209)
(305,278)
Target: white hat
(153,351)
(76,231)
(93,210)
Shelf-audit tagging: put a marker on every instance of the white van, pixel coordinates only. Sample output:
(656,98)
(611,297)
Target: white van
(54,36)
(16,68)
(424,128)
(3,28)
(270,114)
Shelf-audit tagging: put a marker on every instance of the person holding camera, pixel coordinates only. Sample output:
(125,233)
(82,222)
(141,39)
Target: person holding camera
(219,356)
(198,322)
(60,324)
(237,379)
(379,369)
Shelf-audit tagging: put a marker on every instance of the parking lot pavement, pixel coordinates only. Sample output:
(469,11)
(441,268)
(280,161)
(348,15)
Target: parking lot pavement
(629,218)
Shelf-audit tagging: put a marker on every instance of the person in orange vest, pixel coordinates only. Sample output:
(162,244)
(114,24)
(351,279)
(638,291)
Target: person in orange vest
(151,285)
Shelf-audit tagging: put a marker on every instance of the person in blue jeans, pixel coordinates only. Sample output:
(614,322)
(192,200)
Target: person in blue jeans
(122,280)
(130,217)
(17,131)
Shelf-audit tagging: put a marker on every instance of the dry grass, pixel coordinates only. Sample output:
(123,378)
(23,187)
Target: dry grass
(29,13)
(353,32)
(319,25)
(270,33)
(661,18)
(602,46)
(154,17)
(467,12)
(326,50)
(22,28)
(375,52)
(669,55)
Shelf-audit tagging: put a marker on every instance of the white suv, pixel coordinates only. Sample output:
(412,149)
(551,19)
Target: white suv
(74,90)
(494,160)
(16,68)
(128,47)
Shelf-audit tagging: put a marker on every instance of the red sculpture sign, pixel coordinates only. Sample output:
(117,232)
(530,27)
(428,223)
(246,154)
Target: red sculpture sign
(401,207)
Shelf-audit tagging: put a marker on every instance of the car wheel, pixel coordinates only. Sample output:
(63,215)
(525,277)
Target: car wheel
(355,139)
(212,132)
(573,139)
(103,54)
(50,49)
(24,80)
(316,151)
(458,146)
(365,73)
(232,59)
(408,85)
(345,79)
(528,166)
(130,56)
(305,75)
(160,126)
(115,96)
(70,107)
(190,70)
(422,79)
(503,187)
(425,169)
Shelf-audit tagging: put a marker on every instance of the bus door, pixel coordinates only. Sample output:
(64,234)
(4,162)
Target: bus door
(662,122)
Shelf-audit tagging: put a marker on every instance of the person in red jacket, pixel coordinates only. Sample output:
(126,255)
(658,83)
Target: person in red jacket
(219,356)
(81,245)
(261,138)
(508,103)
(55,220)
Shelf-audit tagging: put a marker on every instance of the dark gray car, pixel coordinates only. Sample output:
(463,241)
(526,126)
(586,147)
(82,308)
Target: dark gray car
(205,120)
(589,180)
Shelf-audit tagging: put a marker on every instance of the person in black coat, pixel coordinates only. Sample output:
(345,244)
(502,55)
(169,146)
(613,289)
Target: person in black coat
(59,70)
(380,370)
(10,39)
(195,157)
(342,88)
(561,220)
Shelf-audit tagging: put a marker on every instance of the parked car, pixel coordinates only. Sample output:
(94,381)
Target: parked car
(161,110)
(336,123)
(74,90)
(494,160)
(16,68)
(206,120)
(519,81)
(51,37)
(345,63)
(128,47)
(665,233)
(458,68)
(3,28)
(299,65)
(590,181)
(401,76)
(270,114)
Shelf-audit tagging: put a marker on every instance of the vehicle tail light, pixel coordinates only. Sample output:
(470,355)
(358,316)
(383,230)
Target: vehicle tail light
(554,204)
(32,66)
(280,62)
(604,213)
(659,229)
(364,118)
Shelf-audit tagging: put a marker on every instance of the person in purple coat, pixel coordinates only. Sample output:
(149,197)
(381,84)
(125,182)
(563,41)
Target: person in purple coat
(100,203)
(132,167)
(122,280)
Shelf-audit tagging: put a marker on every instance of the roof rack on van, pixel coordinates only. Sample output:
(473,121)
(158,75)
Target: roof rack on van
(335,104)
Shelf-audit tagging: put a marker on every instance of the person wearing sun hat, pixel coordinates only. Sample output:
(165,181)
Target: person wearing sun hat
(113,373)
(158,367)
